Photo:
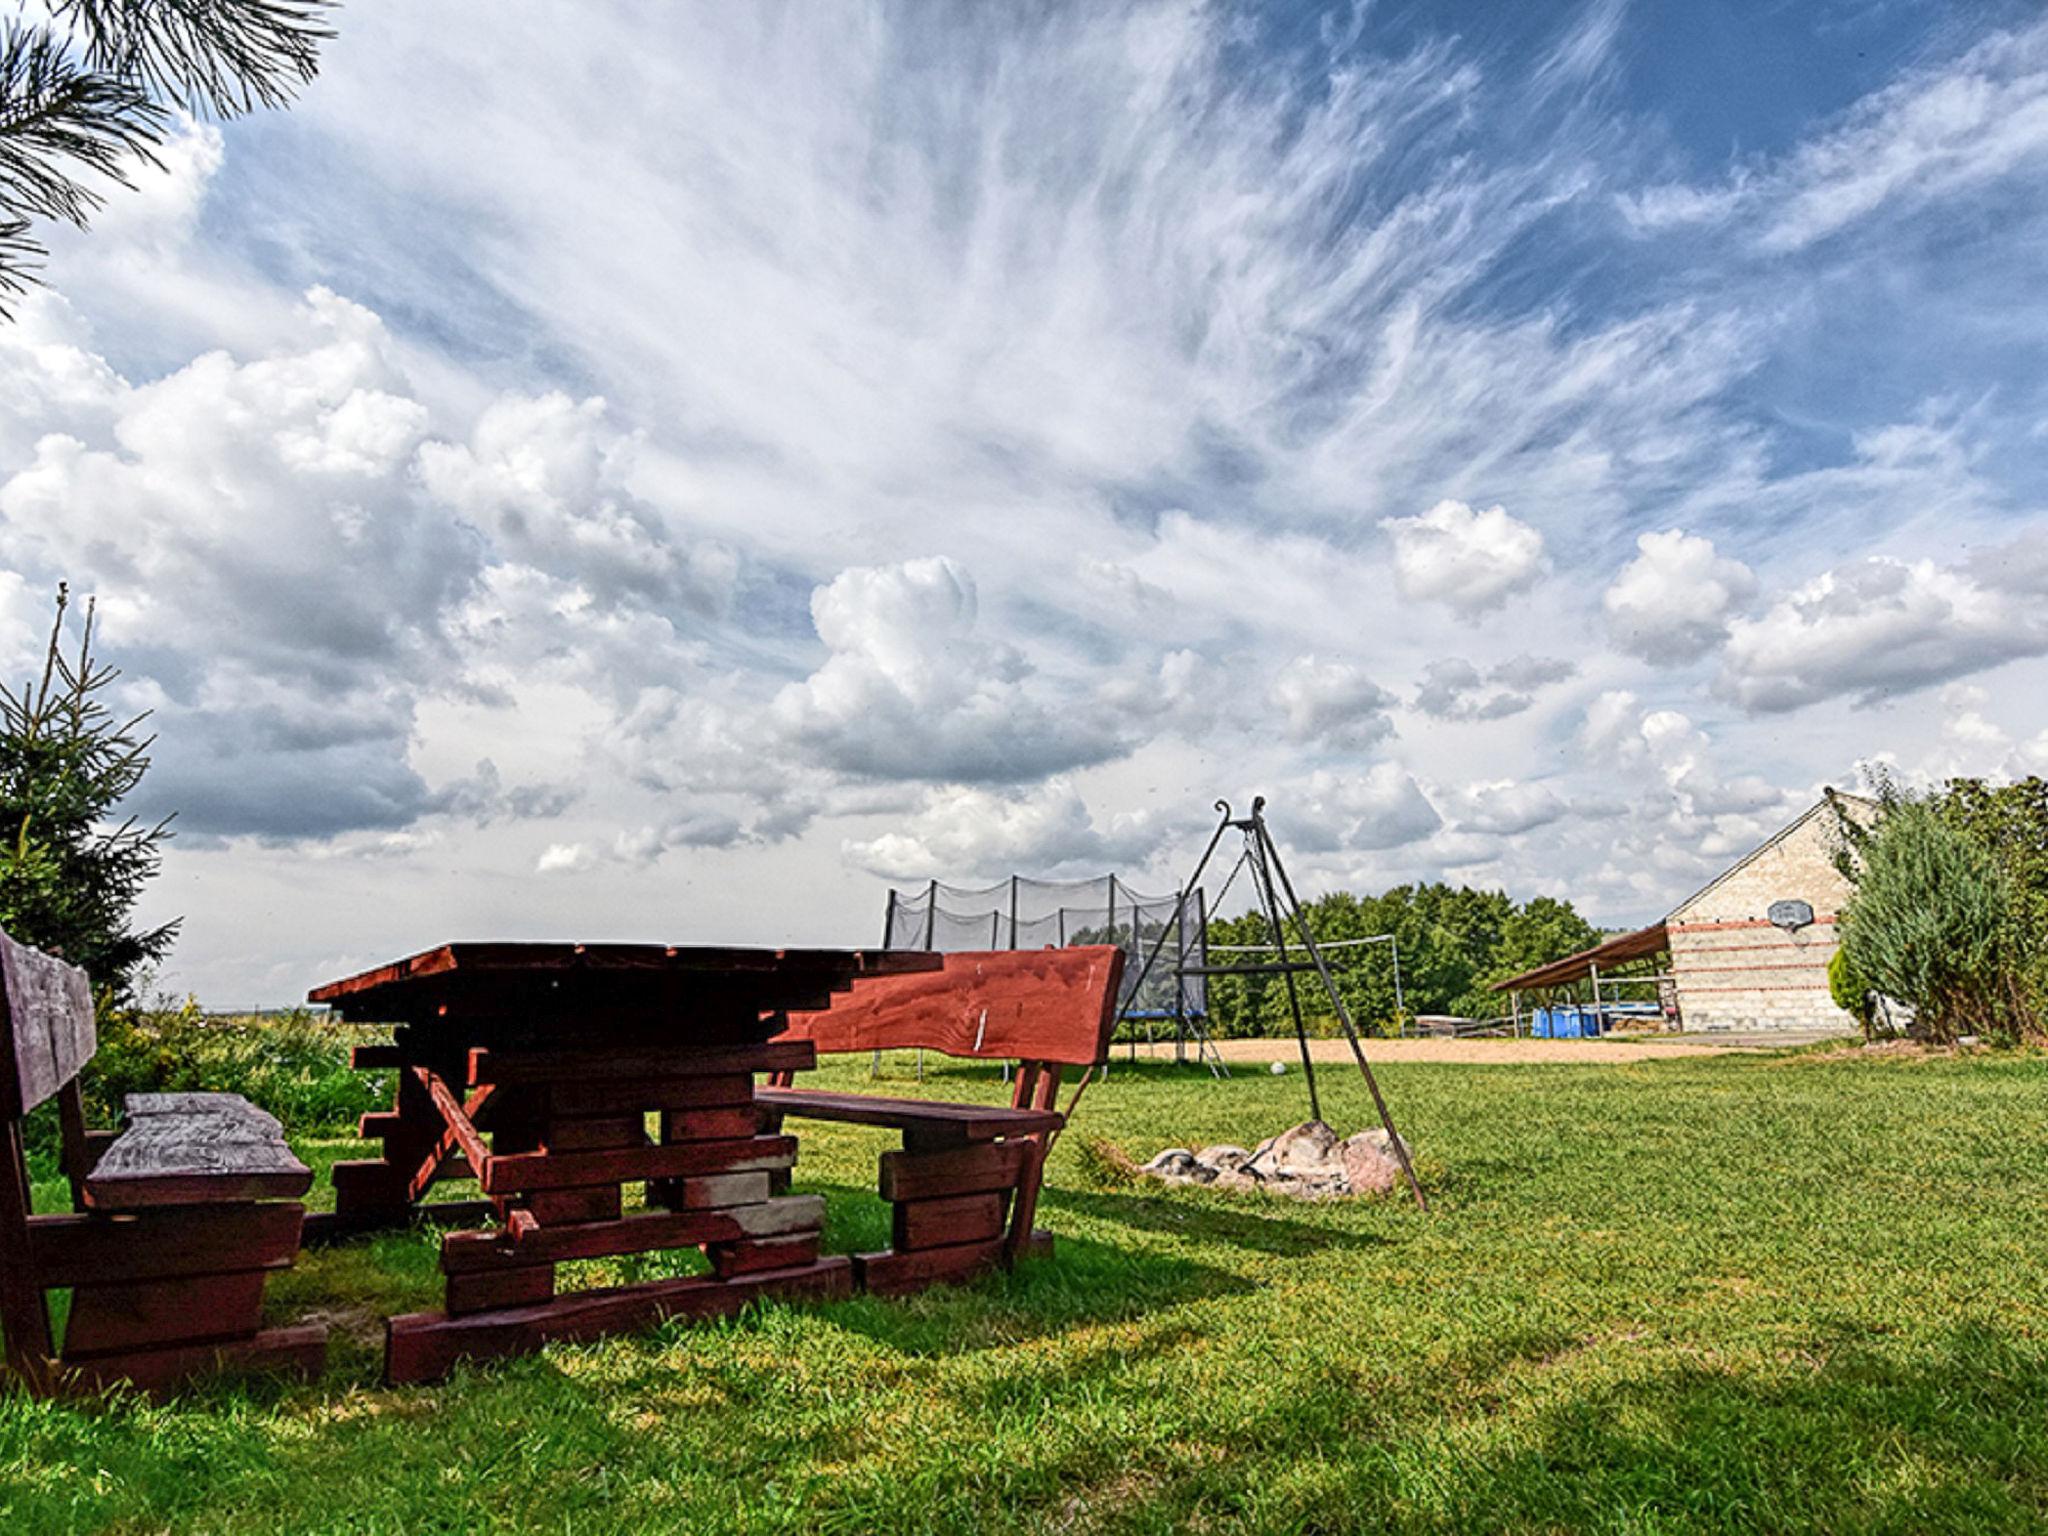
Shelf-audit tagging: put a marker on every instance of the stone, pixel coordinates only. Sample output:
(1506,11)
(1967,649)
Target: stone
(1173,1161)
(1370,1166)
(1223,1157)
(1237,1179)
(1310,1147)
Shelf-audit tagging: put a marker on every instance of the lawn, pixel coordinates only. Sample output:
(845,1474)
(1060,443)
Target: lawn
(1800,1291)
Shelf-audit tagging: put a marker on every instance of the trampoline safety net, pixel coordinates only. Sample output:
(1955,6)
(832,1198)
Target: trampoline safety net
(1020,913)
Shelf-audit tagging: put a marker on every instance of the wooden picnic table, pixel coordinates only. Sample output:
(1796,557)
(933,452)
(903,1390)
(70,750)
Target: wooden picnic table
(534,1069)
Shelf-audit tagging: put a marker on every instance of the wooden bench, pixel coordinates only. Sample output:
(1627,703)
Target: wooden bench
(173,1228)
(964,1187)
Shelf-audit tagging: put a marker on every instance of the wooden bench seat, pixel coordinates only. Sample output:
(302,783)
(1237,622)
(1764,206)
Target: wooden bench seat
(935,1119)
(194,1149)
(169,1246)
(963,1189)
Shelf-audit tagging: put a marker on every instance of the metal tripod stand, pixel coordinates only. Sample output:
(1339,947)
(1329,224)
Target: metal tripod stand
(1277,902)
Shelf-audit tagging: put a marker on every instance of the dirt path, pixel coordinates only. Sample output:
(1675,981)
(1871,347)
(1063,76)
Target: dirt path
(1502,1052)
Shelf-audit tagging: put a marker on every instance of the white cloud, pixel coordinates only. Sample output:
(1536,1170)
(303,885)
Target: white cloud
(1505,807)
(1453,688)
(912,690)
(1935,134)
(1672,603)
(1877,628)
(963,832)
(1470,561)
(1332,705)
(1381,808)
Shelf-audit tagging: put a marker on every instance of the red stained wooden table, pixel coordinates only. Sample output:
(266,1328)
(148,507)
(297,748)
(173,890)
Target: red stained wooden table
(534,1068)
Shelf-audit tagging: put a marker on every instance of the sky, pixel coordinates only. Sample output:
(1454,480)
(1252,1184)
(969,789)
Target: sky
(612,472)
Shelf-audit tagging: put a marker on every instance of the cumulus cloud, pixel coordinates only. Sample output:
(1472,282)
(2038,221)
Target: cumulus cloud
(1879,627)
(1672,603)
(1453,688)
(1332,705)
(1379,809)
(1505,807)
(965,832)
(1469,561)
(912,690)
(550,480)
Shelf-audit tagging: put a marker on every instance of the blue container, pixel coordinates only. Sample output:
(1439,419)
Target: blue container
(1567,1021)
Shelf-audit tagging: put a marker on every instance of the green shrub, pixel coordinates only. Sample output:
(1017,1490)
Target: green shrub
(293,1064)
(1852,993)
(1930,926)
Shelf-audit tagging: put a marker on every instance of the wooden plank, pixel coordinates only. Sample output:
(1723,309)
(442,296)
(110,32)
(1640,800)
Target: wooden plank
(24,1315)
(190,1148)
(424,1346)
(299,1351)
(711,1191)
(46,1026)
(945,1222)
(515,1172)
(555,959)
(462,1252)
(708,1124)
(378,1124)
(483,1289)
(192,1309)
(589,1133)
(601,1096)
(488,1066)
(963,1122)
(970,1170)
(590,1202)
(157,1245)
(372,1058)
(754,1256)
(1027,1005)
(896,1274)
(455,1116)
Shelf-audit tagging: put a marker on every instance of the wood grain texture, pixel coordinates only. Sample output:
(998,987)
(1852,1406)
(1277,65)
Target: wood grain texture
(515,1172)
(1024,1005)
(642,1063)
(617,1095)
(299,1351)
(194,1148)
(424,1346)
(46,1020)
(962,1171)
(944,1120)
(945,1222)
(894,1274)
(462,1252)
(161,1244)
(752,1256)
(138,1314)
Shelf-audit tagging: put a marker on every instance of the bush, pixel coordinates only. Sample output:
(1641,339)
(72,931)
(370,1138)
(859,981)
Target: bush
(1852,993)
(1930,925)
(293,1064)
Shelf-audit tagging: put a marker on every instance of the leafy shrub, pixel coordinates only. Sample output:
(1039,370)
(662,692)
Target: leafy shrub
(293,1064)
(1930,925)
(1851,992)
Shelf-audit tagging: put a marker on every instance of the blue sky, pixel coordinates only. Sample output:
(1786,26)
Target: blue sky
(665,474)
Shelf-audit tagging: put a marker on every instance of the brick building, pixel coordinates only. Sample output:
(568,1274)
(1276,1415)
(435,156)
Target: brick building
(1748,951)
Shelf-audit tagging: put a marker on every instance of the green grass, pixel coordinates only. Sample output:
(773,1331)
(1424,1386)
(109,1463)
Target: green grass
(1783,1293)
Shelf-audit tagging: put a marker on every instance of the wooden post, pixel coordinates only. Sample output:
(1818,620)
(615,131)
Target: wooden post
(931,912)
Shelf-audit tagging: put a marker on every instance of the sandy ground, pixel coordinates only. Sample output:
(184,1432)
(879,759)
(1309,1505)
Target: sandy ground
(1503,1052)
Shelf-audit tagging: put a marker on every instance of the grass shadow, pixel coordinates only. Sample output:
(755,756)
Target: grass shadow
(1254,1222)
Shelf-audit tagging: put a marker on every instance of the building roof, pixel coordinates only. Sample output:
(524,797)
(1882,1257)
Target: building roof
(1616,951)
(1860,801)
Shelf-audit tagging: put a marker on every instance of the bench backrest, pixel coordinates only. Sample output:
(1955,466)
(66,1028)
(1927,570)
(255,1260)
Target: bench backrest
(46,1026)
(1039,1005)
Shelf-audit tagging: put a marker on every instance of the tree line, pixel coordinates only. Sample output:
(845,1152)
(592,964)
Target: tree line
(1453,943)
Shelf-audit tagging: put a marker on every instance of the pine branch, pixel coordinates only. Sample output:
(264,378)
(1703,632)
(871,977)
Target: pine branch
(224,56)
(57,119)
